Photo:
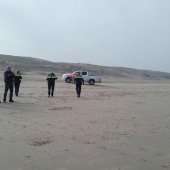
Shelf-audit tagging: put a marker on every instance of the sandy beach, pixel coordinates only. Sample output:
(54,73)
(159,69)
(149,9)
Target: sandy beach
(112,126)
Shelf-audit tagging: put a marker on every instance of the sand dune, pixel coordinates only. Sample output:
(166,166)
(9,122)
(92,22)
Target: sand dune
(42,67)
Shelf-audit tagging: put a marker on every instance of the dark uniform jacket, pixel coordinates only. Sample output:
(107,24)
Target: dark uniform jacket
(79,80)
(9,77)
(18,78)
(51,78)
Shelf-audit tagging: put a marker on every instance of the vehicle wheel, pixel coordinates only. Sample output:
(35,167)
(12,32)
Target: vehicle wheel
(91,82)
(68,80)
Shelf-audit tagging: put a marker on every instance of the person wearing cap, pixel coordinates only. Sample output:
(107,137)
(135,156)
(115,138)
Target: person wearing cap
(9,81)
(17,82)
(51,83)
(78,80)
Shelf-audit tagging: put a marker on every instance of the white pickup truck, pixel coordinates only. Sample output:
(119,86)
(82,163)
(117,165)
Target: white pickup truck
(87,76)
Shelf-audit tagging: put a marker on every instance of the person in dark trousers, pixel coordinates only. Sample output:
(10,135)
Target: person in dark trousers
(17,82)
(51,84)
(78,81)
(9,82)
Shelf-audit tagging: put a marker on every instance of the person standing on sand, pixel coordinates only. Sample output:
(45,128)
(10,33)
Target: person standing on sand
(78,81)
(17,82)
(51,84)
(9,82)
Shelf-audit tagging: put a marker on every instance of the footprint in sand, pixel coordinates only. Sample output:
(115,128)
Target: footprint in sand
(61,108)
(41,142)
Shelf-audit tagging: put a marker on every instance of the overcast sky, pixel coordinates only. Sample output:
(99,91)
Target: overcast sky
(127,33)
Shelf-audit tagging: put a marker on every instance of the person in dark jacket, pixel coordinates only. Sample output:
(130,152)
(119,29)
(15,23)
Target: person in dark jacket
(78,81)
(9,81)
(51,84)
(17,82)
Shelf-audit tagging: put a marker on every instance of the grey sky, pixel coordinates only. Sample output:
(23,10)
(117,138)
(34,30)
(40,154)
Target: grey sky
(127,33)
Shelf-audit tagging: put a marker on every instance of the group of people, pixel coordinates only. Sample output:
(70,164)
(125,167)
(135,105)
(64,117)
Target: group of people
(12,80)
(78,80)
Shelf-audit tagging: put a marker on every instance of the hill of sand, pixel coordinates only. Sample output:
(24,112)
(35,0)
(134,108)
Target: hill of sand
(38,66)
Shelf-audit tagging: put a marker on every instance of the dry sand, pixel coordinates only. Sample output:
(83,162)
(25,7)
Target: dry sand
(112,126)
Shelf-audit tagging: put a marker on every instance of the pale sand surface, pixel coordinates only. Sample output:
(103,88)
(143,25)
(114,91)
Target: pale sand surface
(112,126)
